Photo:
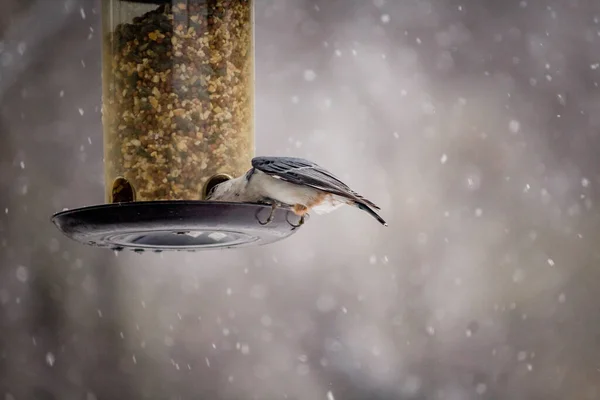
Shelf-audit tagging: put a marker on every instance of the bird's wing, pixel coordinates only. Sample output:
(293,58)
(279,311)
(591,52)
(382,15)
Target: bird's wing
(303,172)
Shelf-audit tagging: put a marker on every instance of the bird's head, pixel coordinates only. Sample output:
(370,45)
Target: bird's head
(224,191)
(217,191)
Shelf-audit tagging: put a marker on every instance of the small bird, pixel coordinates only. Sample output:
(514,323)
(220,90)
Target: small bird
(293,183)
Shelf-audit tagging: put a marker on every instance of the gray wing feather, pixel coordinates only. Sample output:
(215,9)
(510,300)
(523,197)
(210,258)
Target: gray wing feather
(303,172)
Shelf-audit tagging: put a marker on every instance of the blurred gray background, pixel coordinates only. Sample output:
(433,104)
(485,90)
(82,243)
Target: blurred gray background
(473,124)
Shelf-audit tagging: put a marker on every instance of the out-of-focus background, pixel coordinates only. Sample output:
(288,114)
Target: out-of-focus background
(473,124)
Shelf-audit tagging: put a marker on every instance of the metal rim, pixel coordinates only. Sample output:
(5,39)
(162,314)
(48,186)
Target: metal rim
(176,225)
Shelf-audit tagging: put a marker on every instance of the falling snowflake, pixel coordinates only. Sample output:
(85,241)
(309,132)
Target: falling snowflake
(310,75)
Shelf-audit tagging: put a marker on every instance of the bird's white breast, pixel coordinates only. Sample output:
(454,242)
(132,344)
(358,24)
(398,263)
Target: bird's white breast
(280,190)
(288,193)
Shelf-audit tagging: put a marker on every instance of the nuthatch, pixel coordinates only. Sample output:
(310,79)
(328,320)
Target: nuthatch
(292,183)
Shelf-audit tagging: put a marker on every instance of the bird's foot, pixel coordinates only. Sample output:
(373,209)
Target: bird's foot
(274,205)
(300,210)
(299,224)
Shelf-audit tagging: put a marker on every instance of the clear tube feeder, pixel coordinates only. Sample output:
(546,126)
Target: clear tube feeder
(178,118)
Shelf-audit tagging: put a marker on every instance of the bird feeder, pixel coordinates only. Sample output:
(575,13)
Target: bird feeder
(178,118)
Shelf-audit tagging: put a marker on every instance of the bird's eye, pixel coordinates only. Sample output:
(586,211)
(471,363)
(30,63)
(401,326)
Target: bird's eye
(211,191)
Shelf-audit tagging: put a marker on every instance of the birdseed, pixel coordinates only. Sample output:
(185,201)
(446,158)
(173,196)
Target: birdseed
(178,99)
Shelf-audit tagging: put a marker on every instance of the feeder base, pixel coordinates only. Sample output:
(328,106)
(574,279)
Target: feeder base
(176,225)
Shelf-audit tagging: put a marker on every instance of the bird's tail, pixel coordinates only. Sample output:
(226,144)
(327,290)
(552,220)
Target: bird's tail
(368,209)
(367,202)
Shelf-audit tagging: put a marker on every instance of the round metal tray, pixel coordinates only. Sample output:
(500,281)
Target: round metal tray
(176,225)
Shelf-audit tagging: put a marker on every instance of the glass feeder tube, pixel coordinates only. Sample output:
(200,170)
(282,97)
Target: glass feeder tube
(178,96)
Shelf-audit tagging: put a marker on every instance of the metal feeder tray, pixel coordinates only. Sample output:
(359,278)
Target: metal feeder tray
(176,225)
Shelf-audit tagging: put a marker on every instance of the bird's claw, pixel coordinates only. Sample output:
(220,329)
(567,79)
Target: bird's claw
(271,215)
(274,205)
(299,224)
